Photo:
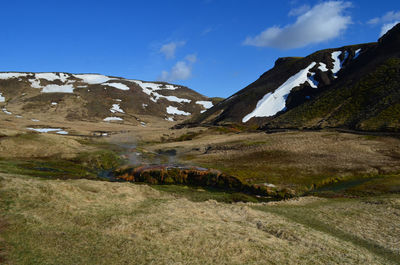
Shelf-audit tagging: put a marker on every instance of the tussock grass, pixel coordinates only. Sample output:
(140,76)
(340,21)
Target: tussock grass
(93,222)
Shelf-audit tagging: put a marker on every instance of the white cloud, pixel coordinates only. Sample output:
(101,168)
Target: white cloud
(386,27)
(182,70)
(169,49)
(374,21)
(299,10)
(192,58)
(388,17)
(206,31)
(323,22)
(387,21)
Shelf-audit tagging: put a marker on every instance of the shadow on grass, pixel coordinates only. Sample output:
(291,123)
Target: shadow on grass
(200,194)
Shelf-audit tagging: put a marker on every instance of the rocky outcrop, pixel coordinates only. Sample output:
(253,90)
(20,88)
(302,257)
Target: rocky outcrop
(194,176)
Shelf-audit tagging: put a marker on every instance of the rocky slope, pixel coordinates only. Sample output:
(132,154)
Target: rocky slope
(353,87)
(94,97)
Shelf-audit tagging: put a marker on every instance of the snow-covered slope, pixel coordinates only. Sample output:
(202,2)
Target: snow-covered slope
(274,102)
(98,97)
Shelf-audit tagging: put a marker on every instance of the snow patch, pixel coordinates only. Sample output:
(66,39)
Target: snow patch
(269,185)
(54,103)
(58,89)
(45,130)
(113,119)
(337,63)
(322,67)
(93,78)
(176,111)
(2,99)
(62,132)
(6,111)
(357,53)
(47,76)
(154,86)
(274,102)
(117,85)
(35,120)
(205,104)
(173,98)
(64,77)
(12,75)
(35,83)
(169,119)
(314,83)
(150,88)
(116,108)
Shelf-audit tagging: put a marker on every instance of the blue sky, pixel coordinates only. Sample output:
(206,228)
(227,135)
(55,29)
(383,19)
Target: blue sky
(213,46)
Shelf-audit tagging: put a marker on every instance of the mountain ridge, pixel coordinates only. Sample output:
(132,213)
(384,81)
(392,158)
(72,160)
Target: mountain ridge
(96,97)
(292,94)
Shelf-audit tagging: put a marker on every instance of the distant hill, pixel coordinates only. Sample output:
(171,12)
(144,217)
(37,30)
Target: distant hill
(354,87)
(95,97)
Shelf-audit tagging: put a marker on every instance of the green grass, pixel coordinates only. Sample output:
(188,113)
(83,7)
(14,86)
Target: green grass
(272,166)
(305,215)
(200,194)
(369,185)
(45,168)
(85,165)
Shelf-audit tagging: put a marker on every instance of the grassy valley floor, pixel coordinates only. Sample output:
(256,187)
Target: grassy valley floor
(55,210)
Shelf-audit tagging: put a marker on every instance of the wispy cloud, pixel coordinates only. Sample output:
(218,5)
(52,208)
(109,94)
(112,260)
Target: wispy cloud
(207,30)
(169,49)
(192,58)
(387,21)
(388,17)
(182,70)
(322,22)
(299,10)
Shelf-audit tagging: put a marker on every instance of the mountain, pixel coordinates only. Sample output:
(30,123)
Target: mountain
(354,87)
(95,97)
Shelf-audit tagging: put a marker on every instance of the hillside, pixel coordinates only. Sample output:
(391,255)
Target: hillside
(354,87)
(95,97)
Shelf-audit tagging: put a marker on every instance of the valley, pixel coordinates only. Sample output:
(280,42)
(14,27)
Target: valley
(300,167)
(50,189)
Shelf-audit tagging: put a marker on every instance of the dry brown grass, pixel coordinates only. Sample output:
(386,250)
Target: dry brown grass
(92,222)
(34,145)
